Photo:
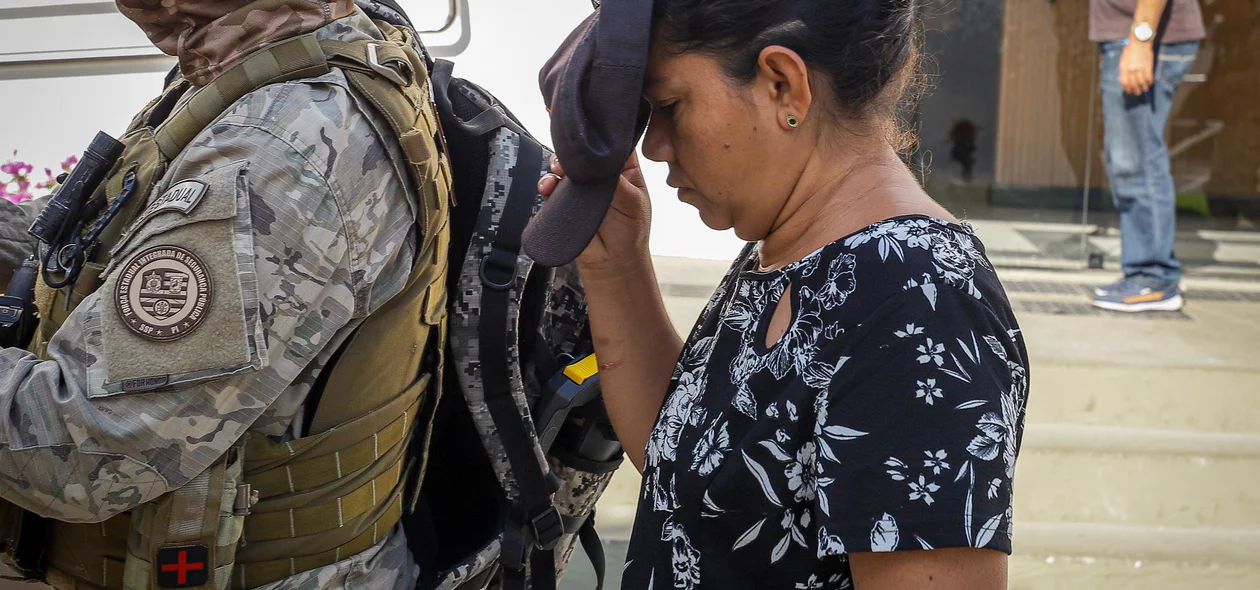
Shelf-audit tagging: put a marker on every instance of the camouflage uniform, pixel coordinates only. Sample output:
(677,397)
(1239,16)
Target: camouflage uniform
(305,227)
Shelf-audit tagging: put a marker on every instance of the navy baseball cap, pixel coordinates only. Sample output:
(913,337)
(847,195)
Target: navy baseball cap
(593,88)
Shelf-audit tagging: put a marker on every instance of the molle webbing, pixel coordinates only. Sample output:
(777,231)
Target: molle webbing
(202,512)
(329,496)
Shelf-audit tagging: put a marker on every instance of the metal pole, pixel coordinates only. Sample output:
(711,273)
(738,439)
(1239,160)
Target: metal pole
(1089,161)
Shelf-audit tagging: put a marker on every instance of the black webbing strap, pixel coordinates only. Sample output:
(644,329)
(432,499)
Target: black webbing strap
(594,549)
(396,8)
(533,522)
(542,570)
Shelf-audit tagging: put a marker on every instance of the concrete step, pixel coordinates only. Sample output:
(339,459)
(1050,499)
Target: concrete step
(1137,489)
(1190,399)
(1138,543)
(1204,335)
(1076,572)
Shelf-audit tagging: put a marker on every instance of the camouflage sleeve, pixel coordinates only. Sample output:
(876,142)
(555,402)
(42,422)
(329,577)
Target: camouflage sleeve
(248,259)
(15,244)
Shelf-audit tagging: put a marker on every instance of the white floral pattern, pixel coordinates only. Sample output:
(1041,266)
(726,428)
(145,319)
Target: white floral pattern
(876,423)
(712,448)
(928,391)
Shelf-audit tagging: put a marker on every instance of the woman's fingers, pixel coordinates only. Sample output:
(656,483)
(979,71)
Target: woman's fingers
(633,172)
(547,184)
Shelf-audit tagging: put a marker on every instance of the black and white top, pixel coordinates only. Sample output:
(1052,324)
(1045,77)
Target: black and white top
(888,418)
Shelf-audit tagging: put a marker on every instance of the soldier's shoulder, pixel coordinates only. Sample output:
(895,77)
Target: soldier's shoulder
(323,100)
(336,132)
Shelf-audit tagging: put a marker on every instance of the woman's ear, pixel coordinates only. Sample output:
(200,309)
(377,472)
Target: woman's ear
(784,79)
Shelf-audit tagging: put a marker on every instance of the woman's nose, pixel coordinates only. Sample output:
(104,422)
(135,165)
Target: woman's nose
(656,142)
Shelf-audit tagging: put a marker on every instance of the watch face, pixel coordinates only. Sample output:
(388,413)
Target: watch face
(1143,32)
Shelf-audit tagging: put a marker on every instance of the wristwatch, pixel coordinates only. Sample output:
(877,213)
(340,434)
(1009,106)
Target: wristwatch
(1143,32)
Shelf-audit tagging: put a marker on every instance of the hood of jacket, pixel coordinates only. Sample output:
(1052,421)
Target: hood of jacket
(209,36)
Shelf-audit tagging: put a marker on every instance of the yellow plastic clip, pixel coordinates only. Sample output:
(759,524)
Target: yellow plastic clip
(582,370)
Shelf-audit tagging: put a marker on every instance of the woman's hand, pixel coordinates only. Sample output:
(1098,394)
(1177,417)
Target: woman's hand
(636,343)
(622,238)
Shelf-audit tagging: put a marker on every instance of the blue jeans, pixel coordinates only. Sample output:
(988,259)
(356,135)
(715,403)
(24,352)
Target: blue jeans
(1137,162)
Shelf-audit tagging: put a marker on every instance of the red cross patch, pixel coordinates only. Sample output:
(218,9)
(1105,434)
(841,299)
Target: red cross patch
(183,567)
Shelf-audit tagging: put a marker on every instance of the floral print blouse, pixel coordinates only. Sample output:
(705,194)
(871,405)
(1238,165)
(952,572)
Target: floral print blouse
(888,418)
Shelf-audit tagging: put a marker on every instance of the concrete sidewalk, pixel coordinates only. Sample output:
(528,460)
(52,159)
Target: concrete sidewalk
(1141,459)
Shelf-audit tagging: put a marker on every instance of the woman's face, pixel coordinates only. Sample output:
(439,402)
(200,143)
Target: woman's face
(730,155)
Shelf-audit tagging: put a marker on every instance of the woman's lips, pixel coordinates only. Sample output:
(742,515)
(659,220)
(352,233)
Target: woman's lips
(682,190)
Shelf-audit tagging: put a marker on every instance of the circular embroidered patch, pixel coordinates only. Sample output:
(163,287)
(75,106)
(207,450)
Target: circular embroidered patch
(164,293)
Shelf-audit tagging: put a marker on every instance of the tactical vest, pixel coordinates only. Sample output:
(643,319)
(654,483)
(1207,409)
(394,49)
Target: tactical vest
(269,510)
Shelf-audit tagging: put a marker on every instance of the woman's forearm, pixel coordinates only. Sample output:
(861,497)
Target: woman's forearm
(637,348)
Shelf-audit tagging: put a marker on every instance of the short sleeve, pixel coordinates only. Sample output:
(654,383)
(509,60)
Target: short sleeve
(920,427)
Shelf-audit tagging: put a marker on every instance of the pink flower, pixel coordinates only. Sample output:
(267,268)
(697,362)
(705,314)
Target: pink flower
(49,183)
(16,169)
(12,197)
(19,173)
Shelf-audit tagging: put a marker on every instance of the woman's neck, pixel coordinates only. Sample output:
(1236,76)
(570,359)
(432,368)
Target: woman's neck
(839,194)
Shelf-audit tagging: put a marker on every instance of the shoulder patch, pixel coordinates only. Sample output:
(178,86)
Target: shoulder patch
(164,293)
(183,196)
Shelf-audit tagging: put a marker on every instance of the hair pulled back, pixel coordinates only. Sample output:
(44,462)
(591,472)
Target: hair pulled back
(865,51)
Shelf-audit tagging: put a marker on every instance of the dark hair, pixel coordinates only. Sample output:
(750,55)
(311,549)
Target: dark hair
(865,50)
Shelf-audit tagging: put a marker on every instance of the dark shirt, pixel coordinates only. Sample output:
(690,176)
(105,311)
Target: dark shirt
(888,418)
(1111,20)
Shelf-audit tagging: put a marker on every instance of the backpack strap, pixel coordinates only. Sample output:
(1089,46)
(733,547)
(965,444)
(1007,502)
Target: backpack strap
(392,75)
(594,549)
(533,525)
(291,59)
(491,119)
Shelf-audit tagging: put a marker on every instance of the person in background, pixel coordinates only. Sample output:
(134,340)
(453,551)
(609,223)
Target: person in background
(1147,48)
(848,410)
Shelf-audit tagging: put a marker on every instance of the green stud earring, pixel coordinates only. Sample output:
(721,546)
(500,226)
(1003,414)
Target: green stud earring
(793,122)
